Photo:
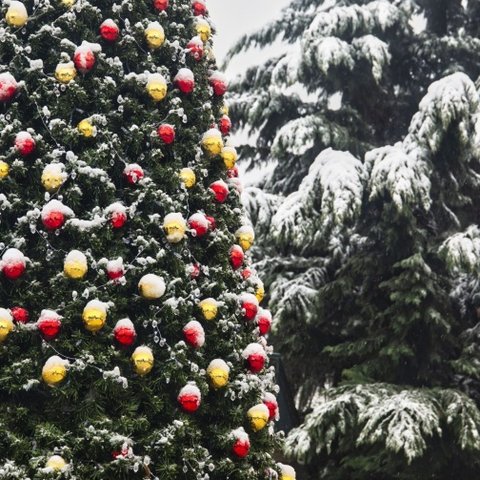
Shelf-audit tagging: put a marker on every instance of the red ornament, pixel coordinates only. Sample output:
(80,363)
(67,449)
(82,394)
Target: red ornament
(194,270)
(225,125)
(133,173)
(53,220)
(84,58)
(271,402)
(184,80)
(218,81)
(189,398)
(115,269)
(256,362)
(160,5)
(195,47)
(247,273)
(199,7)
(166,133)
(237,256)
(249,304)
(194,334)
(19,314)
(118,219)
(8,86)
(220,189)
(232,172)
(49,325)
(124,332)
(212,224)
(14,270)
(199,224)
(109,30)
(24,144)
(13,264)
(264,321)
(241,447)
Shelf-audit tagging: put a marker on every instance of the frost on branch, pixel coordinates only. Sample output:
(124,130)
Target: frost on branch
(375,52)
(462,250)
(329,52)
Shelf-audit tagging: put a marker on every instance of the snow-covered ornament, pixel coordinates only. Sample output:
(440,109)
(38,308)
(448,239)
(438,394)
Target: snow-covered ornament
(229,156)
(199,7)
(287,472)
(20,314)
(247,272)
(151,286)
(218,81)
(109,30)
(203,29)
(115,269)
(241,442)
(68,3)
(194,334)
(13,264)
(143,360)
(209,308)
(184,80)
(189,398)
(166,132)
(84,56)
(198,224)
(218,373)
(194,270)
(4,169)
(65,72)
(245,236)
(54,371)
(225,124)
(188,177)
(263,321)
(16,15)
(118,214)
(220,190)
(154,35)
(24,144)
(160,5)
(133,173)
(86,128)
(258,417)
(56,463)
(54,213)
(94,315)
(237,256)
(175,227)
(259,290)
(212,224)
(195,48)
(255,357)
(249,305)
(156,87)
(75,266)
(271,402)
(6,324)
(8,86)
(124,332)
(49,324)
(212,142)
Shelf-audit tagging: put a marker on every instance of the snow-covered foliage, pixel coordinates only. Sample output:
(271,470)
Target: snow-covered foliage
(462,250)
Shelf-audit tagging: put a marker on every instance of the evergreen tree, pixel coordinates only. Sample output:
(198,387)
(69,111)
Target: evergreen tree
(128,348)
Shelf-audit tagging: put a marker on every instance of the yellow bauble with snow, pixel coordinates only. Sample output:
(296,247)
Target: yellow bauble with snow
(154,35)
(17,14)
(68,3)
(287,472)
(224,110)
(203,29)
(245,237)
(151,286)
(53,177)
(175,227)
(4,169)
(65,72)
(54,370)
(157,87)
(6,324)
(75,266)
(142,359)
(94,315)
(218,372)
(209,308)
(188,177)
(212,142)
(258,417)
(229,156)
(86,128)
(259,290)
(56,463)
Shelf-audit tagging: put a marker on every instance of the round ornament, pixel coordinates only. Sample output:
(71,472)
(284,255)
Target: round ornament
(287,472)
(17,14)
(8,86)
(24,144)
(190,398)
(249,306)
(6,324)
(54,371)
(259,290)
(53,176)
(115,269)
(218,81)
(241,442)
(13,264)
(109,30)
(133,173)
(68,3)
(229,156)
(194,334)
(237,256)
(49,324)
(75,265)
(20,314)
(117,212)
(156,87)
(160,5)
(209,308)
(255,357)
(212,142)
(4,169)
(199,7)
(220,190)
(175,227)
(151,286)
(142,359)
(194,270)
(203,29)
(264,321)
(154,35)
(212,224)
(184,80)
(166,132)
(84,56)
(124,332)
(94,315)
(258,417)
(65,72)
(271,402)
(225,124)
(245,236)
(232,172)
(198,225)
(195,48)
(218,372)
(56,463)
(188,177)
(86,128)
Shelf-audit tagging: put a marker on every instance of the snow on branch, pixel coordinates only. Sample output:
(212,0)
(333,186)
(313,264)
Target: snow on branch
(328,52)
(375,52)
(462,250)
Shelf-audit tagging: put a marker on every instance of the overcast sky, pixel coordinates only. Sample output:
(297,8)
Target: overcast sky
(233,18)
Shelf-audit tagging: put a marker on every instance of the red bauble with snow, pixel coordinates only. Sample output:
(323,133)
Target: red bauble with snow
(49,324)
(194,334)
(133,173)
(198,224)
(263,321)
(247,273)
(20,314)
(199,7)
(232,172)
(8,86)
(237,256)
(189,398)
(13,264)
(160,5)
(225,125)
(249,305)
(25,144)
(271,402)
(118,219)
(195,48)
(212,224)
(166,132)
(241,445)
(218,81)
(255,357)
(220,190)
(184,80)
(109,30)
(84,58)
(115,269)
(124,333)
(53,220)
(194,270)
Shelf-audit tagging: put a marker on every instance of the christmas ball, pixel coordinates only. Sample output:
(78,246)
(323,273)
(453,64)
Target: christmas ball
(225,124)
(264,321)
(247,273)
(249,306)
(255,357)
(166,133)
(245,236)
(142,359)
(188,177)
(49,324)
(65,72)
(133,173)
(194,334)
(258,417)
(75,265)
(184,80)
(8,86)
(55,370)
(151,286)
(175,227)
(67,3)
(24,144)
(224,110)
(160,5)
(229,156)
(189,398)
(118,214)
(271,402)
(17,14)
(154,35)
(241,443)
(218,372)
(203,29)
(195,48)
(4,169)
(94,315)
(84,56)
(198,225)
(13,264)
(232,172)
(237,256)
(287,472)
(220,190)
(20,315)
(115,269)
(109,30)
(199,7)
(212,142)
(194,270)
(56,463)
(218,81)
(86,128)
(212,224)
(259,290)
(209,308)
(6,324)
(124,332)
(156,87)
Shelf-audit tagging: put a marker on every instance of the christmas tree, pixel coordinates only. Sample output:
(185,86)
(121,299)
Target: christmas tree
(370,247)
(131,338)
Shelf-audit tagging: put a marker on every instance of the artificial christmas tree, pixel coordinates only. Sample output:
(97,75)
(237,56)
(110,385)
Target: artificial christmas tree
(117,361)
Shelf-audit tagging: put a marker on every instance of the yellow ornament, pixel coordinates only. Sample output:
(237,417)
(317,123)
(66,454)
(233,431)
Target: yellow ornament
(212,142)
(151,286)
(203,29)
(68,3)
(142,359)
(175,227)
(259,290)
(56,463)
(287,472)
(65,72)
(224,110)
(55,370)
(209,308)
(154,35)
(188,177)
(258,417)
(230,156)
(218,372)
(75,265)
(17,14)
(94,315)
(4,169)
(6,324)
(157,87)
(245,236)
(53,176)
(86,128)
